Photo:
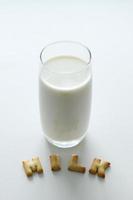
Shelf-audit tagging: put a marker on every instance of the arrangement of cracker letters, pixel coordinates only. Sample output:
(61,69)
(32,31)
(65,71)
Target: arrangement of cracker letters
(97,167)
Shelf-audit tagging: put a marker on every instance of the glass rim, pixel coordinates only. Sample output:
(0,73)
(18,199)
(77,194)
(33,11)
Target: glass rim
(69,42)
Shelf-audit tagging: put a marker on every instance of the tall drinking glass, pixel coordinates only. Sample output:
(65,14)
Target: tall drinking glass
(65,86)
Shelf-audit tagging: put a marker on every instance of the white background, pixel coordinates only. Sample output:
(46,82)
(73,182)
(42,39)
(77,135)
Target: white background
(106,27)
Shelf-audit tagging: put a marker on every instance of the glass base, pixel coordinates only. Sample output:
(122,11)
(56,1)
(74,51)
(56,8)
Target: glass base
(65,144)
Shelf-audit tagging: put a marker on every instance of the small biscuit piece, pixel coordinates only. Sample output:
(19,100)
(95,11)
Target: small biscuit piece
(74,166)
(32,166)
(102,168)
(36,162)
(55,162)
(94,167)
(27,168)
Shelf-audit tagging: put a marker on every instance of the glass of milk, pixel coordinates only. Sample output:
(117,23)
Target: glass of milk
(65,85)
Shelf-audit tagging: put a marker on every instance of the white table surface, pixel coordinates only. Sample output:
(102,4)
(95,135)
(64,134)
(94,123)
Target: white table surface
(106,27)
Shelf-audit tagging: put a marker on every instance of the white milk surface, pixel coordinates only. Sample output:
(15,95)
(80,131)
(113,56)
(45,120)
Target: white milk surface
(65,98)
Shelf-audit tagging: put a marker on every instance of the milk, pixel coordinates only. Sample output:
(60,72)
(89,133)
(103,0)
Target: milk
(65,98)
